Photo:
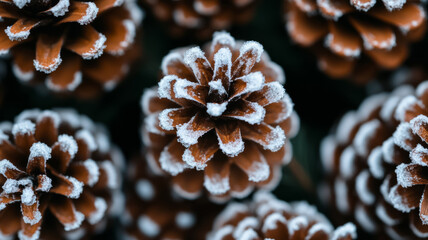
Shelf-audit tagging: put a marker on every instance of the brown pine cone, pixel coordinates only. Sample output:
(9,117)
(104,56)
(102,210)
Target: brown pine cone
(200,18)
(269,218)
(361,161)
(153,211)
(72,46)
(357,38)
(59,176)
(219,119)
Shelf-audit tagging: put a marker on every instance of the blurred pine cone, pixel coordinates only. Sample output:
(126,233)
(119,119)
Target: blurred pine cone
(59,176)
(269,218)
(219,119)
(362,164)
(200,18)
(153,211)
(357,38)
(72,46)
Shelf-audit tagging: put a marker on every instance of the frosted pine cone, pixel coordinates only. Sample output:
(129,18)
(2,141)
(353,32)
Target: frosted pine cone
(201,18)
(361,161)
(220,119)
(73,46)
(356,38)
(153,211)
(58,175)
(269,218)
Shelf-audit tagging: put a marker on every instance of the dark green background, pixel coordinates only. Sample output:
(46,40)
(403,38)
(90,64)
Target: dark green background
(319,101)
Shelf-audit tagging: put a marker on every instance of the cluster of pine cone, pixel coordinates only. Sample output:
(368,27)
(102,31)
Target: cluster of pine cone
(216,130)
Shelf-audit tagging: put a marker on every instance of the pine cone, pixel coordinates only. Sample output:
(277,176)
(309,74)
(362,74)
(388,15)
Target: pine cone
(200,18)
(73,46)
(153,211)
(269,218)
(363,164)
(58,176)
(219,119)
(356,38)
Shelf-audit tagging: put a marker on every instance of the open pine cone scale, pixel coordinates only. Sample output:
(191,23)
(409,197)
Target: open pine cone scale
(50,166)
(356,29)
(229,101)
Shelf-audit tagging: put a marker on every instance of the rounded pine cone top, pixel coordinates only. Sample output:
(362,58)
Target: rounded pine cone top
(356,38)
(154,211)
(58,175)
(269,218)
(219,119)
(66,42)
(373,175)
(201,18)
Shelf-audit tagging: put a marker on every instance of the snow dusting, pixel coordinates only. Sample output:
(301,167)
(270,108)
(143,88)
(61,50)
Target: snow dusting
(45,184)
(37,216)
(216,184)
(362,188)
(25,127)
(169,59)
(253,115)
(28,197)
(77,187)
(254,82)
(407,104)
(188,136)
(100,209)
(165,121)
(67,144)
(21,3)
(181,89)
(190,58)
(170,164)
(20,74)
(40,149)
(362,139)
(223,58)
(49,68)
(60,8)
(112,178)
(398,201)
(90,14)
(216,109)
(375,161)
(259,171)
(195,163)
(164,90)
(97,49)
(341,232)
(254,47)
(243,225)
(17,36)
(88,138)
(404,175)
(76,224)
(223,38)
(232,148)
(217,86)
(93,170)
(402,135)
(272,221)
(419,155)
(347,163)
(35,236)
(296,224)
(364,220)
(6,165)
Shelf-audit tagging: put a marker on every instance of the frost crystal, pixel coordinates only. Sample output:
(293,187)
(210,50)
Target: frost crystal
(255,48)
(76,224)
(97,49)
(216,184)
(67,144)
(60,8)
(91,13)
(259,171)
(25,127)
(77,188)
(170,164)
(18,36)
(254,81)
(28,197)
(271,221)
(297,223)
(165,121)
(192,162)
(402,135)
(21,3)
(345,230)
(187,136)
(6,165)
(168,59)
(165,86)
(404,106)
(404,176)
(223,58)
(88,138)
(255,117)
(222,38)
(39,149)
(232,148)
(93,170)
(216,109)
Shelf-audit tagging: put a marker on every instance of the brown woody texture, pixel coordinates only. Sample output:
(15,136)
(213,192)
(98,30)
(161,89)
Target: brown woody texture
(355,39)
(220,118)
(59,176)
(375,163)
